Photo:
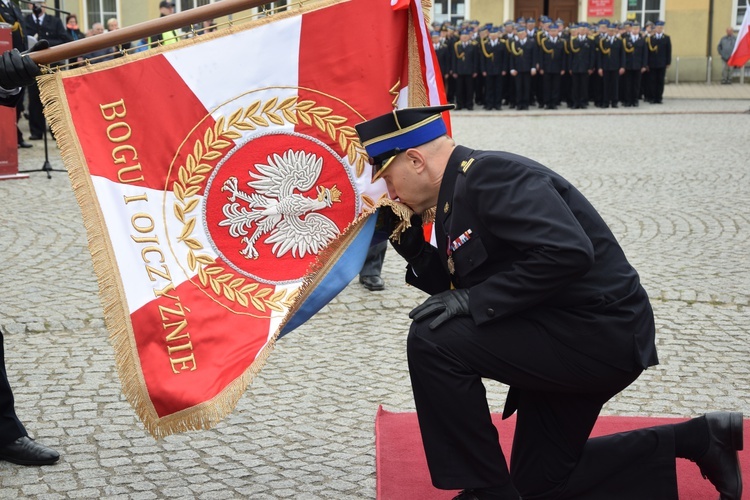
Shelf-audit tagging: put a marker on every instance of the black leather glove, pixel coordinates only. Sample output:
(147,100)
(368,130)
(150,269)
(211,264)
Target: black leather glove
(16,70)
(412,242)
(449,304)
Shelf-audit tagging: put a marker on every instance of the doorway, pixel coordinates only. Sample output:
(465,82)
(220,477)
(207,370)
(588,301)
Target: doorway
(567,10)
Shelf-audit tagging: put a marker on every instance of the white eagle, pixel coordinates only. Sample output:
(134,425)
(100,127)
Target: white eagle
(275,207)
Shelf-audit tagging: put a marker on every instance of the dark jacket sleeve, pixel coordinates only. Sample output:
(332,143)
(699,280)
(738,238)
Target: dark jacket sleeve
(522,208)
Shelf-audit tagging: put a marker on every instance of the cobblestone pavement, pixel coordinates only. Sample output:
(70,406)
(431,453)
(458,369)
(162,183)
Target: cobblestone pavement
(672,182)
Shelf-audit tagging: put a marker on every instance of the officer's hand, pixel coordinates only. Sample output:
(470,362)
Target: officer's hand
(411,242)
(17,70)
(449,304)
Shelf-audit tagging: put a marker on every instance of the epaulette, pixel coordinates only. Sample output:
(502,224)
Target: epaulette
(466,165)
(591,37)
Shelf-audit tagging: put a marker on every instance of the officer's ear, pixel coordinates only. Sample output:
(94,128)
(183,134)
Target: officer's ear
(416,159)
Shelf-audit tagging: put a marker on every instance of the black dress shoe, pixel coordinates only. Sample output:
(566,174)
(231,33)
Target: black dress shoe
(24,144)
(26,451)
(720,464)
(35,137)
(372,283)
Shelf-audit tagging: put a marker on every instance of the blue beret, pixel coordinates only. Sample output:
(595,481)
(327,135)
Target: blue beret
(466,32)
(520,20)
(659,23)
(603,21)
(628,23)
(554,26)
(531,20)
(559,21)
(636,23)
(474,23)
(494,29)
(508,23)
(574,26)
(521,29)
(434,33)
(545,19)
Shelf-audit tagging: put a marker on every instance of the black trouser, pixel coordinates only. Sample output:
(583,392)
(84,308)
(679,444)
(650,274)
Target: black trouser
(36,114)
(10,427)
(560,393)
(509,89)
(610,87)
(597,88)
(374,260)
(465,92)
(493,91)
(579,89)
(523,89)
(551,88)
(657,83)
(450,89)
(632,86)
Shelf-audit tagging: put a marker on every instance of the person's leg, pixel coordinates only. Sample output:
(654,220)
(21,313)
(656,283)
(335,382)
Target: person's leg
(369,275)
(10,427)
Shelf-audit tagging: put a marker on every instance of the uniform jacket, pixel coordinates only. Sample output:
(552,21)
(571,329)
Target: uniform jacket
(494,60)
(553,62)
(444,58)
(636,53)
(659,51)
(523,57)
(611,56)
(13,15)
(582,55)
(536,250)
(465,60)
(51,29)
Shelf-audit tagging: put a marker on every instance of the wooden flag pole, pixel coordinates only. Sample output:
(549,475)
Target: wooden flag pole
(142,30)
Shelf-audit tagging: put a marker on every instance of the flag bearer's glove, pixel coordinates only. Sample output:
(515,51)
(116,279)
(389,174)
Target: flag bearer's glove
(17,70)
(410,242)
(449,304)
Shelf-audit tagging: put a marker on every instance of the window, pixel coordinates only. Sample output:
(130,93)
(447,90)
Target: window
(98,11)
(189,4)
(739,11)
(452,11)
(644,10)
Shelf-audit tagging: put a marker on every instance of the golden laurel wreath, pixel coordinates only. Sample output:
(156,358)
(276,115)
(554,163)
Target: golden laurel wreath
(191,176)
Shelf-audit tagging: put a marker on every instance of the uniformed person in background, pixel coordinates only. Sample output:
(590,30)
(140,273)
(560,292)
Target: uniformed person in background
(636,62)
(523,64)
(611,66)
(581,60)
(529,287)
(659,59)
(449,38)
(648,31)
(443,54)
(552,65)
(483,36)
(464,68)
(596,85)
(509,86)
(494,63)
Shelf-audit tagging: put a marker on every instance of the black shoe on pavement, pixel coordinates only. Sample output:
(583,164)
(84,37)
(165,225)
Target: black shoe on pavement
(26,451)
(720,464)
(372,283)
(24,144)
(35,137)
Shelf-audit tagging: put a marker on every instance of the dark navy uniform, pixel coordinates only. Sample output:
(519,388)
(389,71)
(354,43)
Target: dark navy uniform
(611,59)
(659,57)
(557,313)
(51,29)
(581,61)
(465,66)
(523,59)
(636,60)
(12,15)
(494,64)
(553,63)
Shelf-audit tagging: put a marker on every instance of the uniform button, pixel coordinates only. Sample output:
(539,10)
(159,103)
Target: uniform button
(471,261)
(490,312)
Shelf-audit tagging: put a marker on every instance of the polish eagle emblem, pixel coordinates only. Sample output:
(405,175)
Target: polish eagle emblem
(277,206)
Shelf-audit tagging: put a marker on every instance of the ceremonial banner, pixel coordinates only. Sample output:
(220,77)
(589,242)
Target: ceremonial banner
(741,52)
(224,192)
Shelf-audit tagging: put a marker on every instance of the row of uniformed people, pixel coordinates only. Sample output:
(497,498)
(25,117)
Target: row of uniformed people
(521,64)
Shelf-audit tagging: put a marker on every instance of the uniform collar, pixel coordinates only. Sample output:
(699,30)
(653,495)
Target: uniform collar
(445,196)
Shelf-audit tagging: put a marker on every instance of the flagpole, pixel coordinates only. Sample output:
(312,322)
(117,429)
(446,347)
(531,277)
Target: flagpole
(142,30)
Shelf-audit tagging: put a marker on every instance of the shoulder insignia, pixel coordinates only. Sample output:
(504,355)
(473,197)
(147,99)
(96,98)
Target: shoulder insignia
(466,164)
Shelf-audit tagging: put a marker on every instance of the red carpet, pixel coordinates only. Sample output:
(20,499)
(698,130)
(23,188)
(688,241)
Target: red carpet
(402,468)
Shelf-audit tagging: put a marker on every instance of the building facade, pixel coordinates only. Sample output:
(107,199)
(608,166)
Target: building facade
(695,26)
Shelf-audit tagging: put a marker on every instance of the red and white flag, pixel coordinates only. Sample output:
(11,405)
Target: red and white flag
(741,53)
(215,174)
